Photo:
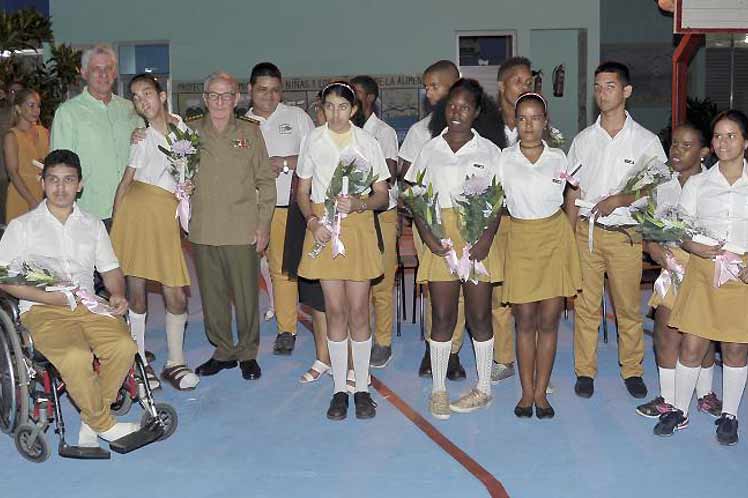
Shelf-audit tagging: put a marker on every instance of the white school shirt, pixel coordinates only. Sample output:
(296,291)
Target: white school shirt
(387,138)
(150,164)
(418,135)
(719,207)
(668,193)
(607,161)
(511,134)
(81,245)
(532,191)
(446,170)
(283,131)
(319,156)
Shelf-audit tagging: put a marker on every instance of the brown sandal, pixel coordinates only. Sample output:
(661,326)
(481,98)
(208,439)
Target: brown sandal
(174,375)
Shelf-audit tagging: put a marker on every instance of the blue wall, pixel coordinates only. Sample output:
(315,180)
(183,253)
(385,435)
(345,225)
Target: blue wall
(314,38)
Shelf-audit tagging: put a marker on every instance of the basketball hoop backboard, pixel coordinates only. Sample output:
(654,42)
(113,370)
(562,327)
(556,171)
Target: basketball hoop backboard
(711,16)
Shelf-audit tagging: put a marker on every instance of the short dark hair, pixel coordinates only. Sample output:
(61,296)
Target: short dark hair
(510,64)
(62,157)
(621,69)
(264,69)
(368,83)
(443,66)
(737,117)
(147,78)
(700,135)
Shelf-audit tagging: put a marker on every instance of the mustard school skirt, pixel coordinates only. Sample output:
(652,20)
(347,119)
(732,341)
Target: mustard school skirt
(433,268)
(668,301)
(542,260)
(146,236)
(362,260)
(700,309)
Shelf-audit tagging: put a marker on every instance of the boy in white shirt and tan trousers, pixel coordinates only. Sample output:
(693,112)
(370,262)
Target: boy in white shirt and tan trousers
(609,151)
(283,127)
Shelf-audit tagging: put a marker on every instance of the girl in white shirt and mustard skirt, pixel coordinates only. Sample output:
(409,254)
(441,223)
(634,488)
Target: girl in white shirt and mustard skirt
(687,151)
(447,160)
(346,278)
(146,236)
(542,264)
(707,308)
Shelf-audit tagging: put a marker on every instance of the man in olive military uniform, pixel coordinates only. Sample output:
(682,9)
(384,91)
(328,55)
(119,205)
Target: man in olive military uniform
(232,206)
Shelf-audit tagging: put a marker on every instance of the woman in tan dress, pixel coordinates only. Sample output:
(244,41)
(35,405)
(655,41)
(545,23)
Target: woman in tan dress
(26,141)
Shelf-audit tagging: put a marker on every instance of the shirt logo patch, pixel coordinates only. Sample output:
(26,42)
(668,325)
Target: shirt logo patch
(629,161)
(285,129)
(479,166)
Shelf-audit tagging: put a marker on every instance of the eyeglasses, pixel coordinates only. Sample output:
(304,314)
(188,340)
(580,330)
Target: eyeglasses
(215,97)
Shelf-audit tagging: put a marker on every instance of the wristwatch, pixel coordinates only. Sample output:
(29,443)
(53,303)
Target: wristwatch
(286,169)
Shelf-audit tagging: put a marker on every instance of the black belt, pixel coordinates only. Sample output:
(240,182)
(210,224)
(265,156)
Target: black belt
(616,228)
(281,207)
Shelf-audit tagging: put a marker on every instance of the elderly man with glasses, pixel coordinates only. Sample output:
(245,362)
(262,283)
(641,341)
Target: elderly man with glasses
(232,207)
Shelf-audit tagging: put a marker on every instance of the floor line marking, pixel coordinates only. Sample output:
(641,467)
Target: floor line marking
(493,486)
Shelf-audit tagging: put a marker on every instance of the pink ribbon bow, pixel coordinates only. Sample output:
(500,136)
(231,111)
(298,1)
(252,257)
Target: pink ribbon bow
(93,303)
(563,175)
(727,266)
(470,270)
(183,208)
(337,243)
(672,273)
(452,262)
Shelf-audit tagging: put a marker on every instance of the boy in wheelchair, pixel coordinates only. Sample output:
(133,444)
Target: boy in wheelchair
(65,331)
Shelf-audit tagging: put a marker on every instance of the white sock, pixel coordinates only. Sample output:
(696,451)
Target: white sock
(175,338)
(361,355)
(667,384)
(483,360)
(87,437)
(439,361)
(733,385)
(685,383)
(339,360)
(704,384)
(265,272)
(137,329)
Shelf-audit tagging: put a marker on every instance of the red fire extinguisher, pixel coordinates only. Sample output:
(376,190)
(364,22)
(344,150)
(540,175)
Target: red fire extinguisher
(538,81)
(559,74)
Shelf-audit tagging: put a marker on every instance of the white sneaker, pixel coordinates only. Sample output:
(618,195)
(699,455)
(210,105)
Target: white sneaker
(269,314)
(501,371)
(119,430)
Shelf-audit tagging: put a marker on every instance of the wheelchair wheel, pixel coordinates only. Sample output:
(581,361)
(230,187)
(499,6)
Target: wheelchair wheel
(35,451)
(122,404)
(14,380)
(168,417)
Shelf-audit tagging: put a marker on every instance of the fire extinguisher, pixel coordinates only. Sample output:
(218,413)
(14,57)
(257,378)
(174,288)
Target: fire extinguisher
(559,74)
(538,75)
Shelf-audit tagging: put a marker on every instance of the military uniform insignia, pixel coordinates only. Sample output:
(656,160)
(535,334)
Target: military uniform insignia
(193,115)
(240,143)
(249,120)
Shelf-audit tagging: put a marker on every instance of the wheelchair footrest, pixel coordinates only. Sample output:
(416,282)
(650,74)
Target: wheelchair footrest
(146,435)
(84,453)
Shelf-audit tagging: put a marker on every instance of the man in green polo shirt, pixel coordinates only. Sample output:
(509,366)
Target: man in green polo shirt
(97,126)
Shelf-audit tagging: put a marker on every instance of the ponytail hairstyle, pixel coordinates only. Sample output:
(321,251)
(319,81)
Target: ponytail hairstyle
(20,98)
(489,124)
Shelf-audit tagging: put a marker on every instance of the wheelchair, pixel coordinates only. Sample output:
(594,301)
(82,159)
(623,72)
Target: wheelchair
(31,389)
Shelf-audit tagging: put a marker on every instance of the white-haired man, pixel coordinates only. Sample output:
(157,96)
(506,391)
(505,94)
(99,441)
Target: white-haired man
(97,126)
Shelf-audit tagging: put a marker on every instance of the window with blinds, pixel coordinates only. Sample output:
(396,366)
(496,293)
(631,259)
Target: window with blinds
(718,77)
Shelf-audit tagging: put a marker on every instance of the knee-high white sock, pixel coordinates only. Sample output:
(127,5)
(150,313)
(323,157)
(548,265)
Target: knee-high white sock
(483,361)
(733,385)
(339,360)
(685,383)
(265,273)
(667,384)
(175,338)
(137,329)
(439,361)
(704,384)
(361,352)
